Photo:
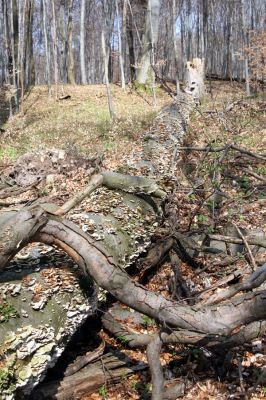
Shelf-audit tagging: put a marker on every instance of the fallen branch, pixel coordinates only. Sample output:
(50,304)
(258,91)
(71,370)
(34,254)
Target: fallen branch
(253,262)
(210,149)
(153,356)
(252,282)
(252,240)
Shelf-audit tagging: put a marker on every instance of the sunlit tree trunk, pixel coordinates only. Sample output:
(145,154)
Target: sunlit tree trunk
(245,44)
(106,78)
(55,49)
(175,44)
(69,45)
(47,56)
(121,60)
(82,42)
(145,74)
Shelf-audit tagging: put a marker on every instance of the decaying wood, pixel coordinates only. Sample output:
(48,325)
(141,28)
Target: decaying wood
(103,235)
(195,78)
(117,220)
(81,361)
(107,370)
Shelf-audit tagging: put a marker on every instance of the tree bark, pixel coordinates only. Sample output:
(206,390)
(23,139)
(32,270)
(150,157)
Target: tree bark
(69,45)
(55,50)
(82,42)
(121,60)
(145,74)
(195,78)
(47,55)
(106,78)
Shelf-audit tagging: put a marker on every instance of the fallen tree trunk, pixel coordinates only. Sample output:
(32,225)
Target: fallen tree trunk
(103,235)
(112,227)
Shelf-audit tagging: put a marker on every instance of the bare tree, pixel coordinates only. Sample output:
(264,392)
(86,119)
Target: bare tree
(55,49)
(69,44)
(109,93)
(245,43)
(47,53)
(121,61)
(82,42)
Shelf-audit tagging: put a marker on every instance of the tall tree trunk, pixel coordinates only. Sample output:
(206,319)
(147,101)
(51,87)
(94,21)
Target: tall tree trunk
(130,42)
(14,46)
(245,45)
(28,54)
(204,38)
(106,77)
(69,45)
(55,50)
(82,42)
(121,61)
(145,74)
(175,44)
(124,34)
(47,55)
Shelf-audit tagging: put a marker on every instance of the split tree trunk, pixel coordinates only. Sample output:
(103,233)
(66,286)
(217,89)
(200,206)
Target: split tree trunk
(195,78)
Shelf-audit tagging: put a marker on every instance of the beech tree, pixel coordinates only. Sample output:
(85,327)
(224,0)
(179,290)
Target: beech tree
(145,73)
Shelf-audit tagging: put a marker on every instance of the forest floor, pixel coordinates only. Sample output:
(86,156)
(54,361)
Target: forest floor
(219,184)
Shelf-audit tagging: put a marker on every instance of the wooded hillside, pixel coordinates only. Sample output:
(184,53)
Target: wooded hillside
(132,199)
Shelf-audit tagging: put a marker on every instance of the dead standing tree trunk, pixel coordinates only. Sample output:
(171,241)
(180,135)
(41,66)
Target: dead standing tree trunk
(195,78)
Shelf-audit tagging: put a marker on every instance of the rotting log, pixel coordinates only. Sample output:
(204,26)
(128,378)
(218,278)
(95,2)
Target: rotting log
(103,234)
(42,306)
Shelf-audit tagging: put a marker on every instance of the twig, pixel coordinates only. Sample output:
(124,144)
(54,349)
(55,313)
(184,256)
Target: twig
(241,380)
(218,149)
(252,260)
(252,282)
(249,172)
(95,182)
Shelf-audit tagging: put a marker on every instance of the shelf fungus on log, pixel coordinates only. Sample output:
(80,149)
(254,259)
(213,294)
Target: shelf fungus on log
(46,294)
